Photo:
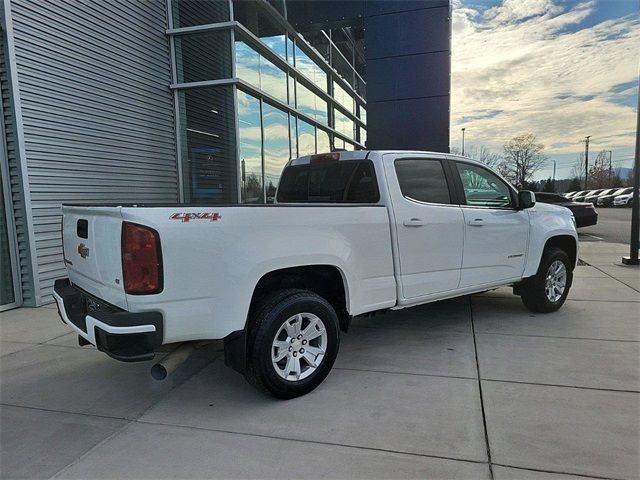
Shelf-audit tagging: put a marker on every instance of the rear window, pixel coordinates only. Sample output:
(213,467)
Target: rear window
(347,181)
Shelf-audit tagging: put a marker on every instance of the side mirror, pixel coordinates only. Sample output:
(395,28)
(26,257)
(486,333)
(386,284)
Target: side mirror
(526,199)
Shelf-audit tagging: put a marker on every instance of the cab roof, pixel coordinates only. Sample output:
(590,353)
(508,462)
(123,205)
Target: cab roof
(374,154)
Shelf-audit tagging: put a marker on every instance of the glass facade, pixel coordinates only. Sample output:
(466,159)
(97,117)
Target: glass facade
(306,138)
(208,145)
(275,124)
(203,57)
(266,94)
(260,72)
(188,13)
(250,136)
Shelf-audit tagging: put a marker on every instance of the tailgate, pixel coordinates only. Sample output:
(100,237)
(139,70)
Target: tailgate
(91,241)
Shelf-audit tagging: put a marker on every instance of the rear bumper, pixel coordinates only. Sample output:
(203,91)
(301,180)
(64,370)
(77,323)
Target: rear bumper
(125,336)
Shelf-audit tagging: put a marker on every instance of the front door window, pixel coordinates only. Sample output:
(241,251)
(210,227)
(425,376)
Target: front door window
(483,188)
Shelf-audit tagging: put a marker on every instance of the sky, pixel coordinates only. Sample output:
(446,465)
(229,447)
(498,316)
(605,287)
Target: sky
(559,69)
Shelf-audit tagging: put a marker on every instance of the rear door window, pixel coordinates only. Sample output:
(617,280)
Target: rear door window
(423,180)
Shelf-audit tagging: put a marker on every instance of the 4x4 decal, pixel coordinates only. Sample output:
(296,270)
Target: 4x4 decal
(187,217)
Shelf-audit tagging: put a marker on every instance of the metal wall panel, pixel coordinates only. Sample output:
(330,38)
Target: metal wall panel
(17,204)
(97,113)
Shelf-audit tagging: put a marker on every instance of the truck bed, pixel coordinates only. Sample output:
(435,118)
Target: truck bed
(214,256)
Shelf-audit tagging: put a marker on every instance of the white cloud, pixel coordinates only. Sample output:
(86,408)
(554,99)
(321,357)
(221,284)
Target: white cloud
(527,66)
(515,10)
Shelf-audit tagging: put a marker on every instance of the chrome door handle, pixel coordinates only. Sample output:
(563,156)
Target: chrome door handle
(476,222)
(414,222)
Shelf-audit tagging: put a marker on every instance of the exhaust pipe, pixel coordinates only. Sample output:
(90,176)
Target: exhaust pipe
(168,364)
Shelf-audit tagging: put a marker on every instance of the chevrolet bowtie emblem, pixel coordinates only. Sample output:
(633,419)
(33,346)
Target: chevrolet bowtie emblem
(83,250)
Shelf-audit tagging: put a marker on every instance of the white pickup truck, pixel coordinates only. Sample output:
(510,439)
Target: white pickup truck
(351,233)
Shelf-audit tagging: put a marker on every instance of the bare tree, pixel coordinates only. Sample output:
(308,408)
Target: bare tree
(630,178)
(482,154)
(577,171)
(523,157)
(600,176)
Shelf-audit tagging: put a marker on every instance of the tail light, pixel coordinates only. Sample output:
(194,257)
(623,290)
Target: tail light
(324,158)
(141,260)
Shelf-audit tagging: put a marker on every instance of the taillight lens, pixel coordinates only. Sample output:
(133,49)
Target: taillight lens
(141,260)
(324,158)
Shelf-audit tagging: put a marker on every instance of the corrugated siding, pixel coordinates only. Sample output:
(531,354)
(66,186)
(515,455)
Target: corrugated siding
(97,111)
(17,204)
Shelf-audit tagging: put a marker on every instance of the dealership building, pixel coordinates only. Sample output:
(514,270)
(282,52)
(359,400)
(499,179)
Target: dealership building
(197,101)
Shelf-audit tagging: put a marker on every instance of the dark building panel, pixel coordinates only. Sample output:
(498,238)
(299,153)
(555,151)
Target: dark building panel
(413,76)
(407,33)
(415,124)
(328,13)
(408,79)
(382,7)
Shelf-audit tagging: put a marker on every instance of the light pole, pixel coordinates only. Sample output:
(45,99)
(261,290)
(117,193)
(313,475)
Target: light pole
(634,244)
(463,129)
(610,165)
(554,175)
(586,161)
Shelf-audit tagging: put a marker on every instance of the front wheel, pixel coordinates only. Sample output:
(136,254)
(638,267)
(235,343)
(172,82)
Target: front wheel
(548,289)
(293,343)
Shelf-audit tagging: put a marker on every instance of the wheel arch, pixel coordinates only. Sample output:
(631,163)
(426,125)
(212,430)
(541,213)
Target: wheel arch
(328,281)
(567,244)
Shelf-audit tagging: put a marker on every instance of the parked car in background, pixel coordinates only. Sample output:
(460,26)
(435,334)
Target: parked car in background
(591,194)
(607,200)
(582,195)
(569,194)
(584,213)
(592,197)
(624,200)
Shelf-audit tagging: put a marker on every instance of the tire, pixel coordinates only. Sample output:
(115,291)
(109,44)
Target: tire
(533,291)
(303,335)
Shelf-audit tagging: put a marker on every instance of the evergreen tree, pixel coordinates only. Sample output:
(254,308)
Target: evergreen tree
(549,186)
(575,185)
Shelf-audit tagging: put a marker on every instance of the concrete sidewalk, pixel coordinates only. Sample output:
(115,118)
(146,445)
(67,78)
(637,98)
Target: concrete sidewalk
(607,258)
(473,388)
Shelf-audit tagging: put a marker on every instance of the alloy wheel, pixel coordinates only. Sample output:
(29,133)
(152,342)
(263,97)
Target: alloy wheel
(299,346)
(555,281)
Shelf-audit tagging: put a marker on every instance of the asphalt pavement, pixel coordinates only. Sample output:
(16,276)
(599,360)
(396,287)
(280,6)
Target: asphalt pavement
(614,225)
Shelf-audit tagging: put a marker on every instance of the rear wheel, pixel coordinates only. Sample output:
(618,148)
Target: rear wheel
(293,343)
(548,289)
